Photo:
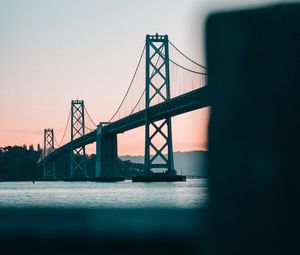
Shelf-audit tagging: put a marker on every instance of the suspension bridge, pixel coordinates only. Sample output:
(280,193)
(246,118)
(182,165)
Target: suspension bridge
(174,84)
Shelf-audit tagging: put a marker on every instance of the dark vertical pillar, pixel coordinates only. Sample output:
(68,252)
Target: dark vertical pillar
(110,155)
(147,105)
(107,154)
(98,167)
(253,61)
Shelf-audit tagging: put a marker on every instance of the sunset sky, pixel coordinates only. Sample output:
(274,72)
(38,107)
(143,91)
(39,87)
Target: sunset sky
(54,51)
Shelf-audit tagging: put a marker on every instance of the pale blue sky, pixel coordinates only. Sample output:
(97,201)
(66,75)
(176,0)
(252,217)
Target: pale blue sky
(53,51)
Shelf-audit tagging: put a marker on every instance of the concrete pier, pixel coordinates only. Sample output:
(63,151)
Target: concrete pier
(158,177)
(162,178)
(49,179)
(106,157)
(109,179)
(77,179)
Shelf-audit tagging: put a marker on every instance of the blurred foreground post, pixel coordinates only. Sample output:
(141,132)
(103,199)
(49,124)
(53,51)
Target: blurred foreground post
(253,59)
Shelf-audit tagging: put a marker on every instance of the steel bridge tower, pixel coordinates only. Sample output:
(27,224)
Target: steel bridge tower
(49,169)
(78,156)
(157,155)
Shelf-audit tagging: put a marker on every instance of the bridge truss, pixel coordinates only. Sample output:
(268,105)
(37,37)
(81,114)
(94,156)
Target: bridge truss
(174,84)
(157,85)
(49,168)
(78,155)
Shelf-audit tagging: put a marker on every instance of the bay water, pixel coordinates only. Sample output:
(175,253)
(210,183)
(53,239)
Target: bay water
(189,194)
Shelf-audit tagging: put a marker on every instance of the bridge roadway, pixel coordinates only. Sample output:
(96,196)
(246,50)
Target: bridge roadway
(187,102)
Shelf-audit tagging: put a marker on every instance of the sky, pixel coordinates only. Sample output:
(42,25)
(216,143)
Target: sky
(53,51)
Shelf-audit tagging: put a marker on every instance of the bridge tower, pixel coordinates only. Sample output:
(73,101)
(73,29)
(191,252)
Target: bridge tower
(78,159)
(49,169)
(157,155)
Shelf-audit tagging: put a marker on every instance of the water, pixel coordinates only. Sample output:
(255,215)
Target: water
(189,194)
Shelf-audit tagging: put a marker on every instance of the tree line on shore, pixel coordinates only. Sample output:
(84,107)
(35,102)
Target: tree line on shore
(18,163)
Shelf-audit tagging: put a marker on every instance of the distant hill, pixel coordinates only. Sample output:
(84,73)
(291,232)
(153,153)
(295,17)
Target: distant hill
(191,163)
(19,163)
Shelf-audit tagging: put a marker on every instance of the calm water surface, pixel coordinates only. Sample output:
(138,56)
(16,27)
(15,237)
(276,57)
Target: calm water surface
(189,194)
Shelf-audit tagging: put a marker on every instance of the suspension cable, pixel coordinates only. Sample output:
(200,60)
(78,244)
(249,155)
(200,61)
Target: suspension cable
(189,70)
(89,116)
(90,129)
(145,89)
(63,137)
(186,56)
(56,141)
(138,102)
(134,75)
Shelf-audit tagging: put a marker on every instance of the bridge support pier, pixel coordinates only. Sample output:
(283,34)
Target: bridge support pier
(106,157)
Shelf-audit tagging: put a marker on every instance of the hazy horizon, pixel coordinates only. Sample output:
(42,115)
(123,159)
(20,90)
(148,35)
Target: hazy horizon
(54,51)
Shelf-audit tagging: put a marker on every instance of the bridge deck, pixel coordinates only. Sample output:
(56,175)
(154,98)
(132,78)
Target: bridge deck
(187,102)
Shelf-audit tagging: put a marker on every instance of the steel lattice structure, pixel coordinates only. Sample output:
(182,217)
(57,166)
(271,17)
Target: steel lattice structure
(49,169)
(78,156)
(158,87)
(156,116)
(190,101)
